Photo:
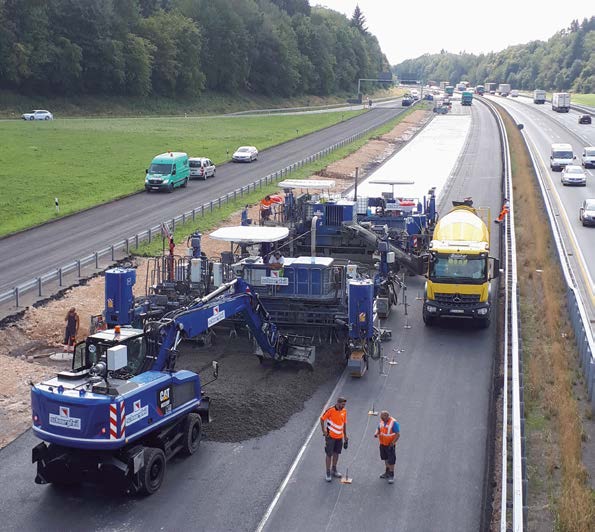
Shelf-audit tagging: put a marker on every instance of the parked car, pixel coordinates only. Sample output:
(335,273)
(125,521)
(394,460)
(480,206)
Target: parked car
(584,119)
(38,114)
(586,213)
(245,154)
(573,174)
(201,168)
(588,157)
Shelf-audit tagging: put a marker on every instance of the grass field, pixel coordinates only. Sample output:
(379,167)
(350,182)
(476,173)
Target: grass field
(85,162)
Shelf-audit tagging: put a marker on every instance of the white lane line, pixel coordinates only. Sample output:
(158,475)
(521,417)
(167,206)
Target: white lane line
(298,458)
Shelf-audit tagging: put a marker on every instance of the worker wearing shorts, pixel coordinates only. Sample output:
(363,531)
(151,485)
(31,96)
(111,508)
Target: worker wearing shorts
(388,433)
(334,429)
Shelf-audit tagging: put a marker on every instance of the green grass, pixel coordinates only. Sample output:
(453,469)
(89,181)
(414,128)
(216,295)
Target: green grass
(211,220)
(583,99)
(86,162)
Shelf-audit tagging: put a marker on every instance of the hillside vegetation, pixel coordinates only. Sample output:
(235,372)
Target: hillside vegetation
(565,62)
(178,48)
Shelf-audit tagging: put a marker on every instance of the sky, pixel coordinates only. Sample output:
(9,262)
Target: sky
(407,30)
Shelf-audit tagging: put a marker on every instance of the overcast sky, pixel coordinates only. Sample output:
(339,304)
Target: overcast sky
(407,30)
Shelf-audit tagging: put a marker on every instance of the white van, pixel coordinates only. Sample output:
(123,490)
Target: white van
(561,155)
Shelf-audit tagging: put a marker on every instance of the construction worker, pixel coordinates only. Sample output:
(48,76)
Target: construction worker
(505,210)
(276,260)
(334,429)
(266,208)
(72,329)
(388,433)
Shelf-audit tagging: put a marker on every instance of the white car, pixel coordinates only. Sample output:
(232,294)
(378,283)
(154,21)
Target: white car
(245,154)
(38,114)
(573,174)
(586,213)
(201,168)
(589,157)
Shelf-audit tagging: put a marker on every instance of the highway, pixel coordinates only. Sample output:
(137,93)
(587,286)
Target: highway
(440,390)
(543,127)
(32,253)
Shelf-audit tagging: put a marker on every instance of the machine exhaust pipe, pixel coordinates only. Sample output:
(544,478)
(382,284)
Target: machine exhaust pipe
(223,288)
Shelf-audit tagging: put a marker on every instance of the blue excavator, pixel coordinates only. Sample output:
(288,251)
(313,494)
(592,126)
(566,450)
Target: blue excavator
(123,410)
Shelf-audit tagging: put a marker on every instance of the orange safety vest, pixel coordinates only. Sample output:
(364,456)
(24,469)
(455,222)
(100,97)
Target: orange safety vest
(335,422)
(386,436)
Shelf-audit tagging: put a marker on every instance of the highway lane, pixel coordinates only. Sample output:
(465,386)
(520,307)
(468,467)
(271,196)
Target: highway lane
(34,252)
(440,391)
(543,127)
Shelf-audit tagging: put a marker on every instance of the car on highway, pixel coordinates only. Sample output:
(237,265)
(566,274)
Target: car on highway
(588,157)
(586,213)
(415,94)
(584,119)
(38,114)
(573,174)
(406,101)
(245,154)
(201,168)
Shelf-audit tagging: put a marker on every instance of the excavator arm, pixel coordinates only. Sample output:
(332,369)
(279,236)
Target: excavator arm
(231,299)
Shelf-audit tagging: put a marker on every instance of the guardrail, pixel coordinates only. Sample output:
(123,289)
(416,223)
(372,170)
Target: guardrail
(122,248)
(513,501)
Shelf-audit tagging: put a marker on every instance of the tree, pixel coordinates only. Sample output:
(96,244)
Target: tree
(358,20)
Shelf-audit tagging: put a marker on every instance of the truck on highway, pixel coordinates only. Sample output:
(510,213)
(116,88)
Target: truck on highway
(449,90)
(504,89)
(466,98)
(538,96)
(561,102)
(460,268)
(480,90)
(490,88)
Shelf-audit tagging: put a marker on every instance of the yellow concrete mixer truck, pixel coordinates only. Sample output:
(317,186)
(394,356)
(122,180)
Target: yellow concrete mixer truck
(460,268)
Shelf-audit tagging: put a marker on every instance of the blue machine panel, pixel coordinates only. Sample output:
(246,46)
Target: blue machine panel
(119,299)
(361,309)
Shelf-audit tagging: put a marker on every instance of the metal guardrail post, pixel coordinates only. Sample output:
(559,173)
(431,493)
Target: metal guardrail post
(39,286)
(59,276)
(193,214)
(113,253)
(219,201)
(78,268)
(16,296)
(96,260)
(150,235)
(136,241)
(173,225)
(211,206)
(183,218)
(202,211)
(127,244)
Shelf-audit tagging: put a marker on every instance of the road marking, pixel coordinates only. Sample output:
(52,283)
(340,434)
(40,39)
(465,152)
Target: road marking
(298,458)
(564,217)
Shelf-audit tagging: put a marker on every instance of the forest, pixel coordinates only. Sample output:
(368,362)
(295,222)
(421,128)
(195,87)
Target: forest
(176,48)
(565,62)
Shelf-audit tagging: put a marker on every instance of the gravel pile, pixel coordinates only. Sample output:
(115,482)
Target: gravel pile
(254,391)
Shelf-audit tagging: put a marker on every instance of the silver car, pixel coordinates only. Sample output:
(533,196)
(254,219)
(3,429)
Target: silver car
(201,168)
(586,213)
(573,174)
(38,114)
(245,154)
(588,157)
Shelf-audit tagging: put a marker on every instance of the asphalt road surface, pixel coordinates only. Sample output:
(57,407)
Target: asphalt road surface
(543,127)
(440,391)
(29,254)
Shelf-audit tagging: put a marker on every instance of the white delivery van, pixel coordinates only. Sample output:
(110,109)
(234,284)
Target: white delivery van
(561,155)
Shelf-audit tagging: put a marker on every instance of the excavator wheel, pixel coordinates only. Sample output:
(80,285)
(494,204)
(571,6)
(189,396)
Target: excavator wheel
(153,472)
(192,434)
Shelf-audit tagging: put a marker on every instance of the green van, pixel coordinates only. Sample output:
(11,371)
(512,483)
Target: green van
(167,171)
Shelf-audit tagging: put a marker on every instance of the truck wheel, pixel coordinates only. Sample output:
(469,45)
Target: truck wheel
(192,433)
(170,188)
(185,183)
(429,321)
(154,470)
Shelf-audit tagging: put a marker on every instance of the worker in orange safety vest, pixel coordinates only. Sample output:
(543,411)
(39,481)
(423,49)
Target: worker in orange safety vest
(334,429)
(388,433)
(503,212)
